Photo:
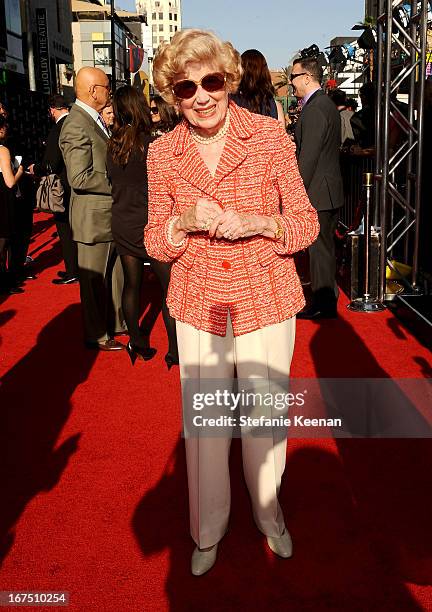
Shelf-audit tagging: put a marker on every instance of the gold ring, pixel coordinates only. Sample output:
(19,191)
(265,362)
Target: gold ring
(208,223)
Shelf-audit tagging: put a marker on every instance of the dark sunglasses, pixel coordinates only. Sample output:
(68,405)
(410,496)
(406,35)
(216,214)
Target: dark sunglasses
(294,76)
(210,82)
(154,110)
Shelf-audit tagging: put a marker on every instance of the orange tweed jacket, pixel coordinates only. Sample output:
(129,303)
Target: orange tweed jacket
(254,279)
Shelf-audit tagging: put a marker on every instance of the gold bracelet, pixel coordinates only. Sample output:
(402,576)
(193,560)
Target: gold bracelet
(279,231)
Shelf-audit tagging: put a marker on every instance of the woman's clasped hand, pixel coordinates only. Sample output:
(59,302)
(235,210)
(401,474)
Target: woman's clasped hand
(200,216)
(208,216)
(231,225)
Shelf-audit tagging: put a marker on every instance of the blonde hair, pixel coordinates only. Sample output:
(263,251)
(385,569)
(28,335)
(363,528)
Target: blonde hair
(187,46)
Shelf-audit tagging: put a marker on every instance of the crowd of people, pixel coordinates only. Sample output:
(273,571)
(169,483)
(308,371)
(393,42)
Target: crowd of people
(255,92)
(206,185)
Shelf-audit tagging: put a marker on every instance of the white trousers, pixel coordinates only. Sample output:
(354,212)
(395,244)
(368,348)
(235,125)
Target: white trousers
(263,354)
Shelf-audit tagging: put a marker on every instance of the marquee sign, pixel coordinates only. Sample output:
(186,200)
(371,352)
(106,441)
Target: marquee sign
(43,50)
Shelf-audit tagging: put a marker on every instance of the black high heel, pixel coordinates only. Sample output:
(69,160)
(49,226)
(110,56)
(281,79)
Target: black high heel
(171,360)
(143,353)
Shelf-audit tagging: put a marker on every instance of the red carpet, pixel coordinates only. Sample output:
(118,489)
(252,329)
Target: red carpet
(93,484)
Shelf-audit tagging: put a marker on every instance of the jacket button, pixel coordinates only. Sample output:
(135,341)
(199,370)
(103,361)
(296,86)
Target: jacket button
(226,264)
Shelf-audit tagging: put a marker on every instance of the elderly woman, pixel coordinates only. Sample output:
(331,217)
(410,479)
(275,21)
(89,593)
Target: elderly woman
(227,206)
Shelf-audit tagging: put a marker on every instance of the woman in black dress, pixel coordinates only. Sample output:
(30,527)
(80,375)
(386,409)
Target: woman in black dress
(127,169)
(8,180)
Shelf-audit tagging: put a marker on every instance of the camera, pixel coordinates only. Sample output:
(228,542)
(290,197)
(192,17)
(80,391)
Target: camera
(312,51)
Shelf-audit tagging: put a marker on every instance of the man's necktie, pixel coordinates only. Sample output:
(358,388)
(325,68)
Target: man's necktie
(103,125)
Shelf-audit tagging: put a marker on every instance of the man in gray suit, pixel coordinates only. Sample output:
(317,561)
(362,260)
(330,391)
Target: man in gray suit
(83,142)
(318,138)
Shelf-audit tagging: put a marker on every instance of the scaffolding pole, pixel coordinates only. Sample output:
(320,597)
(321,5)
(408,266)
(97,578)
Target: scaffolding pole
(401,66)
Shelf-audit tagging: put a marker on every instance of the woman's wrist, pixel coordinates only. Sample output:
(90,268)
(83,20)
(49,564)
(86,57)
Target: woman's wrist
(179,230)
(180,226)
(257,225)
(176,235)
(269,227)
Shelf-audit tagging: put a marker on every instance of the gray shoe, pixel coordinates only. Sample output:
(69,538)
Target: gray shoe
(203,560)
(281,546)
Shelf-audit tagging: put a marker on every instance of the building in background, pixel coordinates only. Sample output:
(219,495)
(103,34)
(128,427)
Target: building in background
(51,45)
(12,70)
(35,60)
(91,31)
(138,53)
(35,44)
(163,18)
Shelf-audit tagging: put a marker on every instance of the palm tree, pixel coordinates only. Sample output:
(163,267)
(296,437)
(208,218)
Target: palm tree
(284,80)
(368,22)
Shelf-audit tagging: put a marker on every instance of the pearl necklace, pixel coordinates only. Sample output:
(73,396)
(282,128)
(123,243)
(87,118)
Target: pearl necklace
(210,139)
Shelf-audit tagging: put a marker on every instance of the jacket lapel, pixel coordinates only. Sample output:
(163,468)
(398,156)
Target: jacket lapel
(192,168)
(233,155)
(190,165)
(92,123)
(236,149)
(298,128)
(100,131)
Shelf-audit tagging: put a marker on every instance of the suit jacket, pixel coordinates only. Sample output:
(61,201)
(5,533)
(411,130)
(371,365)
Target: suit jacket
(83,145)
(318,139)
(52,161)
(255,278)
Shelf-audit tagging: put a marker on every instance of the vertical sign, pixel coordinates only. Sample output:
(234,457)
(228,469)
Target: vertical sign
(43,50)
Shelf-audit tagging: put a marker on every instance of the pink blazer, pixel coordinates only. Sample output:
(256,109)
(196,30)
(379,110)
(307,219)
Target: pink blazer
(254,279)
